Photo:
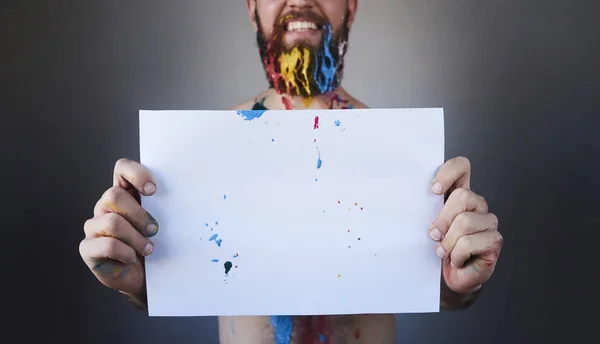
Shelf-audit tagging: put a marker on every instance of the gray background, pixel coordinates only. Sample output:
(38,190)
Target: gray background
(519,81)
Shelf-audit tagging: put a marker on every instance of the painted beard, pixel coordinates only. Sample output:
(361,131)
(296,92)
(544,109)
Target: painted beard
(303,70)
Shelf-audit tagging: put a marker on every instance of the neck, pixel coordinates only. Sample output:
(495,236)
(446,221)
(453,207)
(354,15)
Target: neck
(337,99)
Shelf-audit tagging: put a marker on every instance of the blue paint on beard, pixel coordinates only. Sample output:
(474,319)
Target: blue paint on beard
(326,68)
(282,329)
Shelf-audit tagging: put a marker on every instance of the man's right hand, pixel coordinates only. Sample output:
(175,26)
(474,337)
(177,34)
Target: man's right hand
(117,237)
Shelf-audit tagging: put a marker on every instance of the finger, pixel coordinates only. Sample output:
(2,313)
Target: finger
(98,250)
(485,245)
(129,173)
(117,200)
(115,226)
(464,225)
(454,173)
(459,201)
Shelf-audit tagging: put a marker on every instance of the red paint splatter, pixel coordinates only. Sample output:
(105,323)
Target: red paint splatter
(315,141)
(316,126)
(348,231)
(361,208)
(343,104)
(357,334)
(339,202)
(236,266)
(314,331)
(287,103)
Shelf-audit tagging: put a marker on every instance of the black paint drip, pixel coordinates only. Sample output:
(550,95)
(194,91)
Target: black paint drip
(227,266)
(260,105)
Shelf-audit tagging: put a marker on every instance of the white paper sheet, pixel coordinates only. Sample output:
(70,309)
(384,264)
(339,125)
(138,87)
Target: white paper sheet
(313,219)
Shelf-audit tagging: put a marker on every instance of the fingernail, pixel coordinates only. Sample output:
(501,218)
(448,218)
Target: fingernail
(149,188)
(151,230)
(134,260)
(437,188)
(440,252)
(148,249)
(435,234)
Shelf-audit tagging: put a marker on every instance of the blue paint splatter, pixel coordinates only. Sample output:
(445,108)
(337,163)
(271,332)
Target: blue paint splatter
(211,229)
(319,162)
(224,196)
(272,140)
(215,260)
(350,106)
(249,115)
(216,223)
(326,65)
(282,329)
(337,123)
(219,241)
(235,256)
(322,338)
(316,180)
(206,224)
(213,237)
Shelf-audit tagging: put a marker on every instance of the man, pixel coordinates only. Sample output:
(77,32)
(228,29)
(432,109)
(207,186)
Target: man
(302,44)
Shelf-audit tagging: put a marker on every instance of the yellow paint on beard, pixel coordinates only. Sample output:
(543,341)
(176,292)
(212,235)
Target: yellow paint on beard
(290,64)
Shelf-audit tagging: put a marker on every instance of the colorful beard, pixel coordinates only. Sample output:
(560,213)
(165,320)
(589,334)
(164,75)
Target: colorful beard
(303,70)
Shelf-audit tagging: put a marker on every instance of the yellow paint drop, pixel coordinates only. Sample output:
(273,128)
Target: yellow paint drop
(307,102)
(339,275)
(355,204)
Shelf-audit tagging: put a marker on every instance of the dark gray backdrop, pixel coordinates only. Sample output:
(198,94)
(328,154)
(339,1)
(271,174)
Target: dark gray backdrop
(519,81)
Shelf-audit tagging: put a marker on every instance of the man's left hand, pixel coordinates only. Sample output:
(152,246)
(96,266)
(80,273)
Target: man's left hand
(468,237)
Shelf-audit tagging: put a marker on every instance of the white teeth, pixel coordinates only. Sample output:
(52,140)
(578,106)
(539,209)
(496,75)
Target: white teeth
(301,26)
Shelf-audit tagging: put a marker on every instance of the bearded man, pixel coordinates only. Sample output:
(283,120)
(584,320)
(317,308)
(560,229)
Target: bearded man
(302,44)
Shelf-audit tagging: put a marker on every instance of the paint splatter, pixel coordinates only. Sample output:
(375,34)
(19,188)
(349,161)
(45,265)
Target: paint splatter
(225,196)
(319,161)
(316,179)
(287,103)
(316,123)
(113,269)
(206,224)
(215,260)
(339,275)
(249,115)
(219,241)
(216,223)
(227,266)
(322,338)
(355,204)
(359,239)
(339,202)
(212,228)
(337,123)
(357,334)
(236,255)
(214,237)
(282,329)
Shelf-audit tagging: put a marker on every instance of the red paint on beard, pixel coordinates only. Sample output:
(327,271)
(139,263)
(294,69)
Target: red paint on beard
(287,103)
(357,334)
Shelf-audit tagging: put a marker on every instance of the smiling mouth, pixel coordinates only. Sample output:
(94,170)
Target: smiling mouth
(301,26)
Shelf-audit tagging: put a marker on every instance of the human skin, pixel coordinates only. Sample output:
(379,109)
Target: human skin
(118,237)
